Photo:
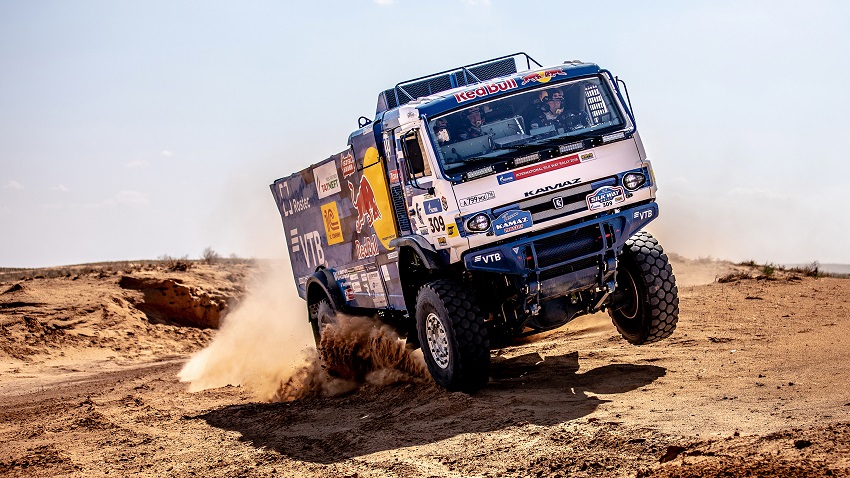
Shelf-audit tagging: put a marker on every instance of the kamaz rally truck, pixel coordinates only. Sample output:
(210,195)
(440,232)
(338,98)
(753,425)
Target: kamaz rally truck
(483,203)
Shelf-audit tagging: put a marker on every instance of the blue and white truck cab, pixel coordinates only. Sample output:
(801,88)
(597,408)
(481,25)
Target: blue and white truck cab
(483,203)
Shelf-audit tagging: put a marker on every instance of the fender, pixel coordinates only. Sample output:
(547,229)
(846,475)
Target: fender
(323,284)
(421,246)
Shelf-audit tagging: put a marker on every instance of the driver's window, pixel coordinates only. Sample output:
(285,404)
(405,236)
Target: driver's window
(413,152)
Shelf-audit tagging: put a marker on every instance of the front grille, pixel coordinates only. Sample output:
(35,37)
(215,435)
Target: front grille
(563,247)
(568,268)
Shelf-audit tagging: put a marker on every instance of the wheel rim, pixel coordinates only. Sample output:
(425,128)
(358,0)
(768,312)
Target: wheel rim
(438,340)
(630,288)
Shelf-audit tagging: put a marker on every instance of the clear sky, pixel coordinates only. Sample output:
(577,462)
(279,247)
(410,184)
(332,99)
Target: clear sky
(133,129)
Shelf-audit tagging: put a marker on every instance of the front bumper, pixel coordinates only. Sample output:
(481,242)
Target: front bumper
(561,260)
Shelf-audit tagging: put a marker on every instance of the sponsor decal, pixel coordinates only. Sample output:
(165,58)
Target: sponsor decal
(394,176)
(558,202)
(478,198)
(485,89)
(432,207)
(451,229)
(506,178)
(442,242)
(488,258)
(330,216)
(294,240)
(303,280)
(541,168)
(364,201)
(355,286)
(347,162)
(643,214)
(376,289)
(327,180)
(542,76)
(445,203)
(553,187)
(368,248)
(392,255)
(605,196)
(349,294)
(310,245)
(295,205)
(585,157)
(512,221)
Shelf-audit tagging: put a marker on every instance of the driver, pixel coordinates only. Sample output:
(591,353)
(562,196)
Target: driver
(441,131)
(553,106)
(473,120)
(574,116)
(555,112)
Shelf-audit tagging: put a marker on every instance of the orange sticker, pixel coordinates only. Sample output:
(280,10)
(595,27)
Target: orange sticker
(330,216)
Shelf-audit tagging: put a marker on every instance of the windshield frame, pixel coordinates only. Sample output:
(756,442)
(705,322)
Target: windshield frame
(502,161)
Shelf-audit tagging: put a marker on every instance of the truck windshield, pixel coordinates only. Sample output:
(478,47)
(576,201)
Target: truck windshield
(487,133)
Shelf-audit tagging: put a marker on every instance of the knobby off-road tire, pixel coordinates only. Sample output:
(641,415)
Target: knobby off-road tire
(645,276)
(453,336)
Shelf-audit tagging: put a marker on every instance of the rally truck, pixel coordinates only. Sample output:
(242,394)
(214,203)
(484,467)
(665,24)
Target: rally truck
(484,203)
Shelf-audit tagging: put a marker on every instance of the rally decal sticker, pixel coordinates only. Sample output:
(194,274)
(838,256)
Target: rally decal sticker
(512,221)
(543,76)
(347,164)
(432,206)
(485,89)
(605,196)
(364,201)
(327,180)
(330,216)
(545,167)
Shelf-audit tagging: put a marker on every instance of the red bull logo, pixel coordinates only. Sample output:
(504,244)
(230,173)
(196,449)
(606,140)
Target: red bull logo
(486,89)
(542,76)
(365,203)
(368,248)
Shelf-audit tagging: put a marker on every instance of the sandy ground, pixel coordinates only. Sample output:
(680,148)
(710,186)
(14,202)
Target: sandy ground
(753,383)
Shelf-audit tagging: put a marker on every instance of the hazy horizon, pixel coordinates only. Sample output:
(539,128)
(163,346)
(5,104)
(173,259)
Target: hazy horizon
(132,130)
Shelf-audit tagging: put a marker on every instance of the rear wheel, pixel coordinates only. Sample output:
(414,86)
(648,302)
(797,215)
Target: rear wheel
(645,278)
(453,336)
(323,315)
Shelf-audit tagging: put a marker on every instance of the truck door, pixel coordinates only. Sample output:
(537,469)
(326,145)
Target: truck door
(417,176)
(431,201)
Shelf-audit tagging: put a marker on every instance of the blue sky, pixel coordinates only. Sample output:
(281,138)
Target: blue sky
(133,129)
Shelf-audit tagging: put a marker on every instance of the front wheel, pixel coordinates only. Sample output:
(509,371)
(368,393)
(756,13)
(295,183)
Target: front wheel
(454,340)
(645,278)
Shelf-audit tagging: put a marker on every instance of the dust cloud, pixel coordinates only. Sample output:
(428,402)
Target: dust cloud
(266,345)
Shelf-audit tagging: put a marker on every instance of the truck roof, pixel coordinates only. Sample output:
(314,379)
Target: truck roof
(444,91)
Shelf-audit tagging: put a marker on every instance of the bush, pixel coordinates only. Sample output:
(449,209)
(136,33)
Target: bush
(209,256)
(176,263)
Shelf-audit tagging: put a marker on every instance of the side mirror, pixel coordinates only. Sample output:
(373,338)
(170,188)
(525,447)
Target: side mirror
(416,167)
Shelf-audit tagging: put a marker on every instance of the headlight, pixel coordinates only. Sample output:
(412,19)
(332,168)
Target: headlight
(632,181)
(478,223)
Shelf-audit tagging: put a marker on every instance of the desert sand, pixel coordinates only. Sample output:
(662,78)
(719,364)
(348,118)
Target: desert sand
(754,382)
